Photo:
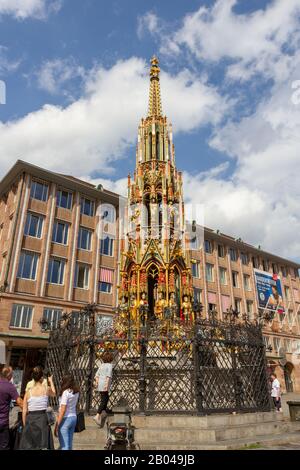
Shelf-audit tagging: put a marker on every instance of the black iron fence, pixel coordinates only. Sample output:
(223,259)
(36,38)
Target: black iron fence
(216,367)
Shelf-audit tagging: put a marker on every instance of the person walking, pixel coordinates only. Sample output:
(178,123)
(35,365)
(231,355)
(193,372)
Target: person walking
(37,434)
(275,392)
(8,392)
(103,379)
(67,417)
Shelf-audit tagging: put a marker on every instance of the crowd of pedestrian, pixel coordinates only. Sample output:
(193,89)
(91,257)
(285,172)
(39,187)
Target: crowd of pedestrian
(37,416)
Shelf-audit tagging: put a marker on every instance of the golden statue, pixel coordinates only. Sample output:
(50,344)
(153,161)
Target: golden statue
(159,306)
(186,308)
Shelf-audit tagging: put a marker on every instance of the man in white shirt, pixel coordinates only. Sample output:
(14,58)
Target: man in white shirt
(103,380)
(275,392)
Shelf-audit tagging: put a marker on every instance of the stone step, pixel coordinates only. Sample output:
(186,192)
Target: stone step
(188,436)
(173,434)
(266,442)
(204,422)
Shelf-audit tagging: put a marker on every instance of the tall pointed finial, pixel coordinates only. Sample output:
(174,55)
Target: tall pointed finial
(154,95)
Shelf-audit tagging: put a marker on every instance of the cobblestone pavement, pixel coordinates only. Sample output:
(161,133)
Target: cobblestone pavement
(292,446)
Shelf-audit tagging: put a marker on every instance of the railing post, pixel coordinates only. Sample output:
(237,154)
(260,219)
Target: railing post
(236,374)
(197,374)
(91,320)
(142,378)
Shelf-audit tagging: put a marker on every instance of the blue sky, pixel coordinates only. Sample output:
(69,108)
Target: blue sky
(77,85)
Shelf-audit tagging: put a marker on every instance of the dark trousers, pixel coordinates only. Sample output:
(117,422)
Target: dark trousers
(277,404)
(4,438)
(103,402)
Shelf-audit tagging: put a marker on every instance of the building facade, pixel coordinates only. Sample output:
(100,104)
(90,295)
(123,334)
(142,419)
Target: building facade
(60,249)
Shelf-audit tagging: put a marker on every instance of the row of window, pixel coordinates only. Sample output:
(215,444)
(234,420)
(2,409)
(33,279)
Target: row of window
(226,302)
(291,346)
(22,315)
(64,199)
(209,274)
(233,253)
(28,268)
(34,226)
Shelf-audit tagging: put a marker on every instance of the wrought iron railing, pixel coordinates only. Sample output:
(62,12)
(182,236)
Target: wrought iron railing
(219,366)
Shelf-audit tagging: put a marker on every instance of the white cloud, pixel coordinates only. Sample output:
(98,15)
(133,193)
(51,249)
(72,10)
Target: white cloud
(253,41)
(148,22)
(22,9)
(260,201)
(53,75)
(92,132)
(7,65)
(118,186)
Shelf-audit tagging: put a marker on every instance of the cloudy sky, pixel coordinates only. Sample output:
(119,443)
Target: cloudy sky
(76,74)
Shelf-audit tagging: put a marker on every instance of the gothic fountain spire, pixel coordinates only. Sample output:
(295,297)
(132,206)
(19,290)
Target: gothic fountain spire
(155,109)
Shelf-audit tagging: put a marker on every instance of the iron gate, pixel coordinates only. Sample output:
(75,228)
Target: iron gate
(217,367)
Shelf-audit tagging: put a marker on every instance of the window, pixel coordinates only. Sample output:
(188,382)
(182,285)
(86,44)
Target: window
(250,309)
(107,246)
(247,284)
(235,279)
(296,272)
(244,258)
(208,246)
(196,269)
(39,191)
(237,305)
(64,199)
(283,270)
(3,266)
(56,271)
(105,287)
(82,276)
(267,341)
(223,276)
(209,271)
(87,207)
(103,324)
(28,265)
(277,343)
(197,294)
(21,316)
(52,316)
(290,317)
(255,262)
(194,243)
(274,268)
(33,225)
(287,293)
(60,232)
(84,239)
(80,322)
(108,213)
(266,265)
(287,345)
(212,307)
(233,254)
(221,251)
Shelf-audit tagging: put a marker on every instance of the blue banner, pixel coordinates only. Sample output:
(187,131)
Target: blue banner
(269,291)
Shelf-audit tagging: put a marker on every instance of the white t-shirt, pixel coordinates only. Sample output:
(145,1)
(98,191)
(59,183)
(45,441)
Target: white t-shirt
(104,374)
(275,388)
(69,399)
